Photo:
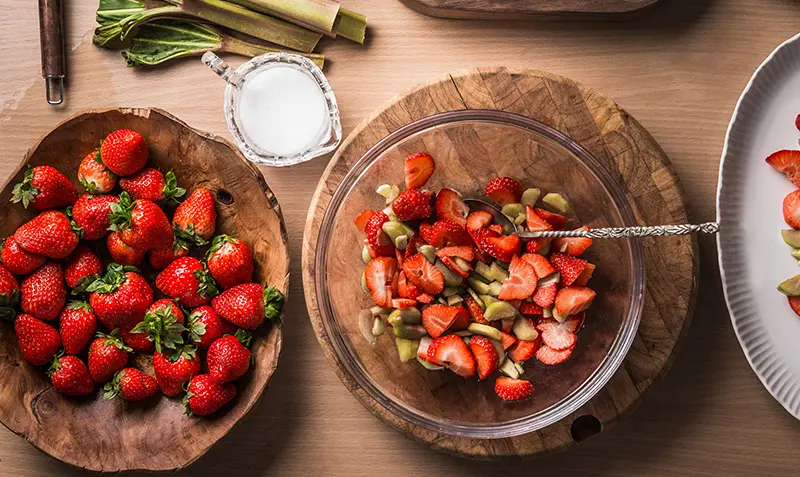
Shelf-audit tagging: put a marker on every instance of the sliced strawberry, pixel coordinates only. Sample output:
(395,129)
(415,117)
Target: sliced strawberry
(797,122)
(412,204)
(794,302)
(426,231)
(467,252)
(521,281)
(572,246)
(486,357)
(535,222)
(425,298)
(445,233)
(507,340)
(509,389)
(540,265)
(556,220)
(463,320)
(452,352)
(569,267)
(529,308)
(503,248)
(478,220)
(475,311)
(423,274)
(422,349)
(791,209)
(586,274)
(454,267)
(506,325)
(497,228)
(403,303)
(413,246)
(537,245)
(546,295)
(504,190)
(406,289)
(419,168)
(787,162)
(573,300)
(558,336)
(524,350)
(438,318)
(549,356)
(449,206)
(380,273)
(400,257)
(362,219)
(376,237)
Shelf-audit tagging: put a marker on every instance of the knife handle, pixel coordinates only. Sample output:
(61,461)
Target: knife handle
(51,34)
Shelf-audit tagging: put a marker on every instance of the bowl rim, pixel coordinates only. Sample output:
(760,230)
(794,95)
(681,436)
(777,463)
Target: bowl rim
(576,398)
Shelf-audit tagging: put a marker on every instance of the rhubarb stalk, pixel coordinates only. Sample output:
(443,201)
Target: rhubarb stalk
(316,15)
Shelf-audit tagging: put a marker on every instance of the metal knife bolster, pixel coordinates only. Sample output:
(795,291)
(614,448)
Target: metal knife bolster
(51,34)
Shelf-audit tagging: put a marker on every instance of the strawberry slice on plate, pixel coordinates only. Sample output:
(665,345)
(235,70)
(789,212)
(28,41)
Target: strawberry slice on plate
(380,273)
(362,219)
(574,246)
(449,206)
(510,389)
(466,252)
(507,340)
(569,267)
(445,233)
(559,336)
(420,272)
(535,222)
(436,319)
(419,168)
(478,220)
(546,295)
(573,300)
(556,220)
(550,357)
(504,190)
(503,248)
(540,264)
(794,302)
(451,351)
(788,162)
(524,350)
(791,209)
(475,311)
(425,298)
(585,276)
(403,303)
(521,281)
(530,309)
(486,357)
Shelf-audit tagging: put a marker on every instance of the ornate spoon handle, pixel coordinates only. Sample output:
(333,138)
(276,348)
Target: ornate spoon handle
(621,232)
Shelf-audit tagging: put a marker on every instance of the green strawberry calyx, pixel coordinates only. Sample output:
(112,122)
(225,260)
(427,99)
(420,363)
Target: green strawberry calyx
(188,236)
(244,337)
(109,283)
(75,227)
(79,305)
(121,213)
(186,408)
(112,388)
(55,365)
(189,352)
(171,190)
(273,304)
(197,329)
(219,241)
(206,286)
(113,339)
(162,328)
(25,192)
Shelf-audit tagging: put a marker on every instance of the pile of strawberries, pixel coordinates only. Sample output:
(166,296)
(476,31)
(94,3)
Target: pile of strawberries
(461,291)
(112,312)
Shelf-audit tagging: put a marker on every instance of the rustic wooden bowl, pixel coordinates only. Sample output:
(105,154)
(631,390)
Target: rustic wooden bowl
(113,435)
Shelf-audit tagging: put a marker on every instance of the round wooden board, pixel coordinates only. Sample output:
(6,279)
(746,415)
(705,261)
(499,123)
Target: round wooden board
(154,434)
(629,153)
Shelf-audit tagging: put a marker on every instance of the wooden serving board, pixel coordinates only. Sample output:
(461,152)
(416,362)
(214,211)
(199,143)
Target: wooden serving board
(522,9)
(655,195)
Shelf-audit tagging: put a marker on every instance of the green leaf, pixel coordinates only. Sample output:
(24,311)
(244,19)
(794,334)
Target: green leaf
(273,304)
(197,329)
(207,287)
(171,189)
(121,213)
(24,191)
(114,277)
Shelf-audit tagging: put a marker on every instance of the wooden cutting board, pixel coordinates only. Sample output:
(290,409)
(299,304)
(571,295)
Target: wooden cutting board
(521,9)
(655,195)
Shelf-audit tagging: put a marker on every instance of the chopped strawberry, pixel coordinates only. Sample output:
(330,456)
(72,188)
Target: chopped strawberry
(406,289)
(797,122)
(524,350)
(556,220)
(573,300)
(787,162)
(507,340)
(426,231)
(535,222)
(572,246)
(452,352)
(449,206)
(438,318)
(546,295)
(794,302)
(537,245)
(419,168)
(444,233)
(376,237)
(529,308)
(504,190)
(425,298)
(549,356)
(467,252)
(380,273)
(506,325)
(403,303)
(475,311)
(569,267)
(509,389)
(586,274)
(413,243)
(423,274)
(486,357)
(497,228)
(451,264)
(478,220)
(412,204)
(558,336)
(540,265)
(463,320)
(422,349)
(503,248)
(521,281)
(362,219)
(791,209)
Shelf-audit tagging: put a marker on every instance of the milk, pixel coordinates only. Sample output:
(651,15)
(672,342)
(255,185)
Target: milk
(282,110)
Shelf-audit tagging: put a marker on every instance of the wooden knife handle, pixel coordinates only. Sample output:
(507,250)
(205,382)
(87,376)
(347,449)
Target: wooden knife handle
(51,32)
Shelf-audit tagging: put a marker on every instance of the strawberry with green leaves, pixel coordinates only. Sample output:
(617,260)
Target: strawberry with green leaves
(187,281)
(9,293)
(17,260)
(176,367)
(91,215)
(151,184)
(38,341)
(107,355)
(70,377)
(228,358)
(141,223)
(43,293)
(123,253)
(130,384)
(205,396)
(94,176)
(163,325)
(49,233)
(77,325)
(230,261)
(248,304)
(120,298)
(205,327)
(195,220)
(44,187)
(82,268)
(124,152)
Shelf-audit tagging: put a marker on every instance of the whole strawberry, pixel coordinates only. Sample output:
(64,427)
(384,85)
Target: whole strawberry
(94,176)
(49,233)
(247,305)
(175,368)
(77,325)
(123,253)
(107,355)
(412,204)
(44,187)
(163,324)
(37,340)
(206,327)
(124,152)
(205,396)
(120,298)
(151,184)
(142,224)
(130,384)
(43,292)
(92,215)
(160,258)
(82,268)
(70,376)
(186,281)
(17,260)
(138,342)
(9,293)
(230,261)
(228,358)
(195,220)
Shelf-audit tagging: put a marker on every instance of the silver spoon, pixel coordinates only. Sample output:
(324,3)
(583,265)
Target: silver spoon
(611,232)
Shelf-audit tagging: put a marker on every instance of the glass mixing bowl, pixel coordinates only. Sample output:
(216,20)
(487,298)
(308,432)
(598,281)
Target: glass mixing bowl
(470,147)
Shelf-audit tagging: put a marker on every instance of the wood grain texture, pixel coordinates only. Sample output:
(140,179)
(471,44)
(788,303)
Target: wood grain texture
(114,435)
(623,148)
(523,9)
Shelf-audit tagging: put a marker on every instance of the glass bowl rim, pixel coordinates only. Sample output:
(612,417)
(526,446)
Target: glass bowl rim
(523,425)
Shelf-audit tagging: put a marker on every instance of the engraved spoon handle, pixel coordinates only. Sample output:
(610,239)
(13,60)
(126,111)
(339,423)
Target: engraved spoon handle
(621,232)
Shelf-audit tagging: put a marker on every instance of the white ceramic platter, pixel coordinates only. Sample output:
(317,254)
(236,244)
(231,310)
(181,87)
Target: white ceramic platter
(753,258)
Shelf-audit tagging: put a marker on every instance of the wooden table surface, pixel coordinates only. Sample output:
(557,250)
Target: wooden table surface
(678,69)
